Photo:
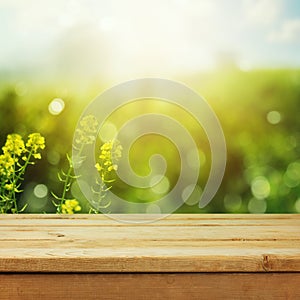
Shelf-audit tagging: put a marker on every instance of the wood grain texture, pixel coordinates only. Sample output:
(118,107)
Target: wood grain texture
(178,243)
(150,286)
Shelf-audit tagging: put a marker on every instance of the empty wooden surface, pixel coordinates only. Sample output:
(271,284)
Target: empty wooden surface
(178,243)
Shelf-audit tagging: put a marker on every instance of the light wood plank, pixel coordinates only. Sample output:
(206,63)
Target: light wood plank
(179,243)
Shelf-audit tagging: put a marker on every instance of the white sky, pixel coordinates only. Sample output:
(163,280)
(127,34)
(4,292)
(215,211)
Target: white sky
(133,37)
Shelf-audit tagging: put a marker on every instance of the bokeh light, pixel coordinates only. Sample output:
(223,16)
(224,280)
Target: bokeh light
(274,117)
(292,175)
(53,157)
(260,187)
(297,205)
(195,193)
(257,206)
(108,131)
(40,190)
(36,196)
(153,209)
(162,186)
(56,106)
(232,202)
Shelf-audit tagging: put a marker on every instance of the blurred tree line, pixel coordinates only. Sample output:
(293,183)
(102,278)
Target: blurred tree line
(258,111)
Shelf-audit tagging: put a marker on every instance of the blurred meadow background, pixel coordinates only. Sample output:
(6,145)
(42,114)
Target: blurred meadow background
(243,57)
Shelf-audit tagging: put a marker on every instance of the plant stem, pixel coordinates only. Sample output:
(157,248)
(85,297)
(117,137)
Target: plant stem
(67,180)
(14,184)
(15,179)
(23,168)
(62,199)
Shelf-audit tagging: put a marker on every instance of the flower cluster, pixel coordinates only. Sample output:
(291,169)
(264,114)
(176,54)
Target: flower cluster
(34,143)
(111,152)
(86,133)
(17,155)
(14,144)
(6,165)
(70,206)
(12,150)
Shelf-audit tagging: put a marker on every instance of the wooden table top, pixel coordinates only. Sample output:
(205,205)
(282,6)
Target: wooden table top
(178,243)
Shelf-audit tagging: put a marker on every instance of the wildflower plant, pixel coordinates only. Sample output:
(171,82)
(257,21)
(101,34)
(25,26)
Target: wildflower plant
(110,154)
(84,135)
(16,157)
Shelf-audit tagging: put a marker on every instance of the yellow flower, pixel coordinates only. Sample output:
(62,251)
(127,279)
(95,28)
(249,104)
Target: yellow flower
(86,134)
(113,167)
(12,169)
(6,164)
(107,146)
(35,142)
(14,145)
(89,123)
(70,206)
(118,151)
(9,186)
(98,167)
(110,153)
(37,155)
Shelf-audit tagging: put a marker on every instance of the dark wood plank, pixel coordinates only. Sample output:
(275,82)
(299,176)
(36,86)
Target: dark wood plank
(150,286)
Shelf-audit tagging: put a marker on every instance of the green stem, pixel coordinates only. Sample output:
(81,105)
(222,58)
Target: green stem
(23,168)
(15,179)
(14,185)
(67,181)
(62,199)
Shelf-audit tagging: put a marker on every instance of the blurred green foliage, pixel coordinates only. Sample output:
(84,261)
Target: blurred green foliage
(258,110)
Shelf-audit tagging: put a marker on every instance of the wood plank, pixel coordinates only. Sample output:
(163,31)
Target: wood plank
(150,286)
(179,243)
(110,219)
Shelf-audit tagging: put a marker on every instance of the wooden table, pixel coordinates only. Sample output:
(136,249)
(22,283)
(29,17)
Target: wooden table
(180,257)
